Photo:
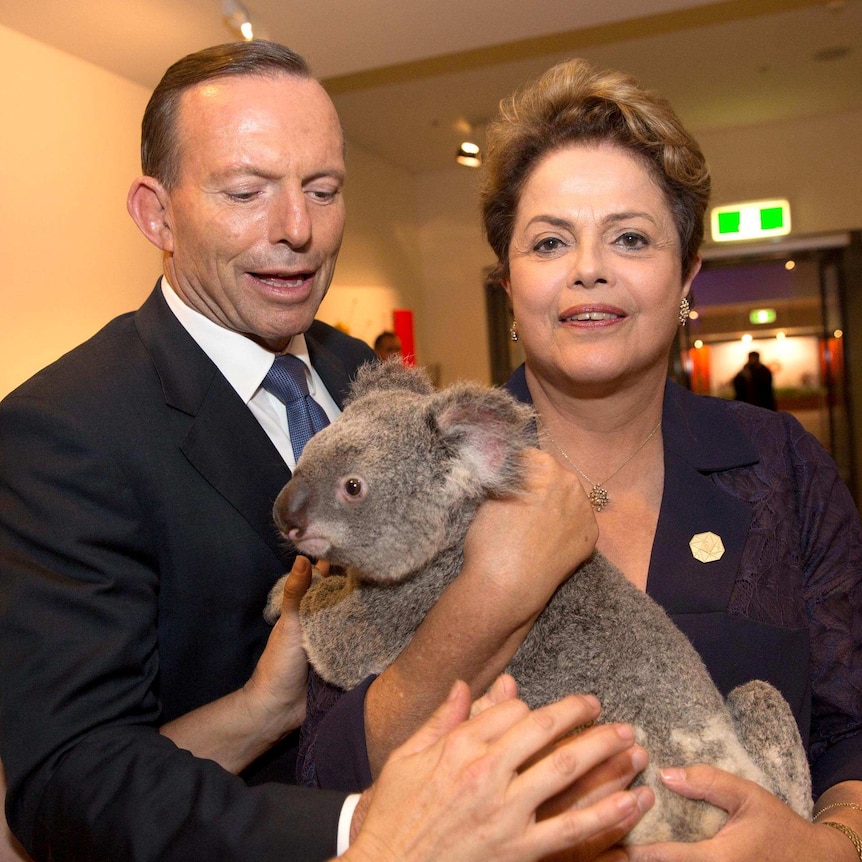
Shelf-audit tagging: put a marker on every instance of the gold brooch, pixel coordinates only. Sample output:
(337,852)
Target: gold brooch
(706,547)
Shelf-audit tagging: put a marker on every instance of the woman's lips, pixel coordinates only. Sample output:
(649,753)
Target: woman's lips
(591,315)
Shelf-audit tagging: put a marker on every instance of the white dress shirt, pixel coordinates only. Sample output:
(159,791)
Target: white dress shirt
(245,363)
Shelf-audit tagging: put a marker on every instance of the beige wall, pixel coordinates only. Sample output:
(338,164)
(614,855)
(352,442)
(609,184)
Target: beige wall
(816,165)
(71,257)
(379,268)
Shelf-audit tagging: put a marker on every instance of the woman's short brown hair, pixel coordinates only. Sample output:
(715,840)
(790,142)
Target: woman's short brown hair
(575,103)
(159,145)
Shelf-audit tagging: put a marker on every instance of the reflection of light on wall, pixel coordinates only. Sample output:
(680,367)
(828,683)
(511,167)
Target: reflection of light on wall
(746,339)
(698,344)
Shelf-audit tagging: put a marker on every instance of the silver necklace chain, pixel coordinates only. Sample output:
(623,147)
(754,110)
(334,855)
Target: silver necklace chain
(597,495)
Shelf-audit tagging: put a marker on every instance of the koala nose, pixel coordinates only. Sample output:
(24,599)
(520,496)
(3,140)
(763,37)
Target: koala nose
(290,507)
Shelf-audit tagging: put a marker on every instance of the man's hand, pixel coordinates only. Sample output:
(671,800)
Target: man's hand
(469,789)
(237,728)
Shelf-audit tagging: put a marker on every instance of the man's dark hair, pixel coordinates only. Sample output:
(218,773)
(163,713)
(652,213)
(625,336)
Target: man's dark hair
(159,146)
(378,342)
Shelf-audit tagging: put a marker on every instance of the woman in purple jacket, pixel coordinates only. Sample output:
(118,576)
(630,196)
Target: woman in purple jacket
(593,201)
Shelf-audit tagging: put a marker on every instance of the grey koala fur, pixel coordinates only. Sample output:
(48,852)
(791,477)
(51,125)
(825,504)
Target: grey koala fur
(388,492)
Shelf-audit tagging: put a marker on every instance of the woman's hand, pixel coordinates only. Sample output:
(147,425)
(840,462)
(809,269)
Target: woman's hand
(517,552)
(526,546)
(760,827)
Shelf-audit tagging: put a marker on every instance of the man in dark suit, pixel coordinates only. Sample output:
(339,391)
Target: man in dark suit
(146,710)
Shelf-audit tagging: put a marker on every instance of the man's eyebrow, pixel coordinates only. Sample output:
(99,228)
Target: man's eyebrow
(241,170)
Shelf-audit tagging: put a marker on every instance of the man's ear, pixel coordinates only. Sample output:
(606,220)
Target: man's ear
(148,204)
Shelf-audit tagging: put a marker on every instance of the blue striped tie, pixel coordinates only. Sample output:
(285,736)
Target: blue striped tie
(305,417)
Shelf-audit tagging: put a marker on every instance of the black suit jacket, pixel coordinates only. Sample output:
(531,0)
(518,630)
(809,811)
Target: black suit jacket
(136,551)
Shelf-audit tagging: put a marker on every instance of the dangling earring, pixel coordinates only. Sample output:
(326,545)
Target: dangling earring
(513,331)
(684,310)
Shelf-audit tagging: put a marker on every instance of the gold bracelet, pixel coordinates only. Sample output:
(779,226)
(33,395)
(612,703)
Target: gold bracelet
(826,808)
(857,841)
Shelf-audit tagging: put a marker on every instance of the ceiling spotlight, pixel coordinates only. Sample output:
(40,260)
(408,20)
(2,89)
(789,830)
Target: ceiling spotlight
(469,155)
(237,19)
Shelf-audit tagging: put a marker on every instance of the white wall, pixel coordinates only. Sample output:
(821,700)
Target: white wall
(379,268)
(71,256)
(452,322)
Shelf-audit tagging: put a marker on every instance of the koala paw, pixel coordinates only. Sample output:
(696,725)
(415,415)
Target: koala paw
(272,611)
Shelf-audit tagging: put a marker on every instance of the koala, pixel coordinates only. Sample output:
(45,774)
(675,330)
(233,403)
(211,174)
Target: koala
(388,491)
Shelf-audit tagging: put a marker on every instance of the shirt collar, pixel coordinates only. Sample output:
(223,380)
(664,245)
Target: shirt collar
(243,362)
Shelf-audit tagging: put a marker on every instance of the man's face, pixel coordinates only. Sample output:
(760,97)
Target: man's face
(254,223)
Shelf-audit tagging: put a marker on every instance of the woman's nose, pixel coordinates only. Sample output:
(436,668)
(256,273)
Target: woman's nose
(589,265)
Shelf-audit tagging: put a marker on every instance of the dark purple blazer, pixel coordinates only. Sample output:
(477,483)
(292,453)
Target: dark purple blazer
(137,548)
(784,602)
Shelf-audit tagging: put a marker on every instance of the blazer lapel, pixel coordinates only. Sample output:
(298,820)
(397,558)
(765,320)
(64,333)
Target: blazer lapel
(700,438)
(222,440)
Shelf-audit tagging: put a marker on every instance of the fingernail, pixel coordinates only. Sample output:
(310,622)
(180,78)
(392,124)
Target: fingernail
(640,759)
(627,802)
(625,732)
(453,691)
(672,775)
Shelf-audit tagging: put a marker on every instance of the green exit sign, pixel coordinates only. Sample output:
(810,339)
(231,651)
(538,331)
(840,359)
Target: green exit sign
(762,315)
(752,220)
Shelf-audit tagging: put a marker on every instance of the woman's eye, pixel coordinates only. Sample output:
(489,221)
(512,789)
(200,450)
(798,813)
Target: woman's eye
(550,243)
(632,240)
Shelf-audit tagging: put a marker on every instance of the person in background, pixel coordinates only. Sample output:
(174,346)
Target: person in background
(387,344)
(593,202)
(147,711)
(753,384)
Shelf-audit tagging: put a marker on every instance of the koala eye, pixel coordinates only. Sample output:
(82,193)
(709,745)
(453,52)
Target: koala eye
(353,488)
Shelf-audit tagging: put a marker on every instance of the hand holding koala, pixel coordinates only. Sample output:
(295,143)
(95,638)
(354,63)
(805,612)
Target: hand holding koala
(388,492)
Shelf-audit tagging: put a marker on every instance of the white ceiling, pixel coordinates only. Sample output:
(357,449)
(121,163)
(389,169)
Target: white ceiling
(409,77)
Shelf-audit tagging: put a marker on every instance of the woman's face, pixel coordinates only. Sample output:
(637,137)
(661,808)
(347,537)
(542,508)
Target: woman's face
(595,275)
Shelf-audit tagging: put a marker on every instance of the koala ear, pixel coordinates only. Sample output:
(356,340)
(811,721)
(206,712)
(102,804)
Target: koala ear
(485,429)
(391,374)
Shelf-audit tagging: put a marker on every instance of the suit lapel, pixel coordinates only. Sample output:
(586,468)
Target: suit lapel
(222,440)
(700,439)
